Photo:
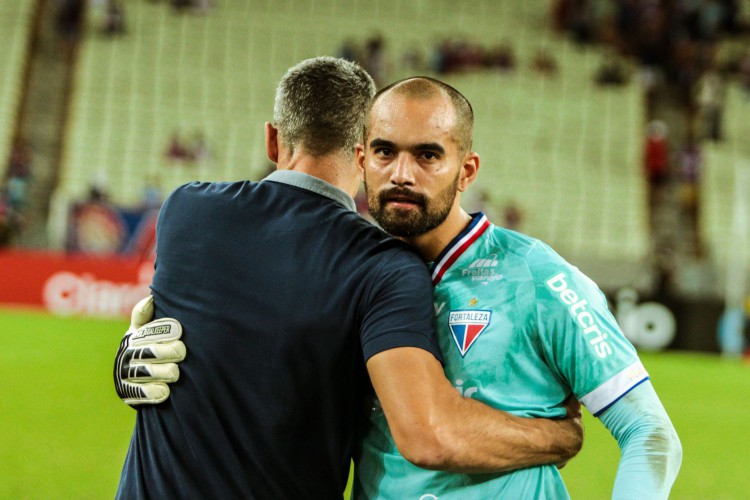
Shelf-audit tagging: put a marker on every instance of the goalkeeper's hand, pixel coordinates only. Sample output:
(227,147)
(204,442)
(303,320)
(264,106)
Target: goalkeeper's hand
(147,357)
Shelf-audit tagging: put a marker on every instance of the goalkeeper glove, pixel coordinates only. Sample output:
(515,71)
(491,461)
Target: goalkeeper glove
(147,357)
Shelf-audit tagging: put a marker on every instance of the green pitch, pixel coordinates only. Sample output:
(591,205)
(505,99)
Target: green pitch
(64,433)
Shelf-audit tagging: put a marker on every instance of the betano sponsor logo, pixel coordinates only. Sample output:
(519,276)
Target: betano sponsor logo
(577,309)
(483,269)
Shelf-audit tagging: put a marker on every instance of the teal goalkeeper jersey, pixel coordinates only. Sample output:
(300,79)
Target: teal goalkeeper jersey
(520,330)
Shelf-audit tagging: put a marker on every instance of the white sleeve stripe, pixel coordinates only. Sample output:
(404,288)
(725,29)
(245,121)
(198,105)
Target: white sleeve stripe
(613,389)
(620,397)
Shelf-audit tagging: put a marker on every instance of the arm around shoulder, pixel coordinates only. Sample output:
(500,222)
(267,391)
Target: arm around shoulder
(434,427)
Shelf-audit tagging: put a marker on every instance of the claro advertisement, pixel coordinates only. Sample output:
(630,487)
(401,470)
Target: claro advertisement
(69,284)
(109,287)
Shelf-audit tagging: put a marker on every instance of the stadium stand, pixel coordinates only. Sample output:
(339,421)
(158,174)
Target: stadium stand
(15,23)
(567,151)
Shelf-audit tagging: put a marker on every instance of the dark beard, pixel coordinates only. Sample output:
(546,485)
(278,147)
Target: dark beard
(410,223)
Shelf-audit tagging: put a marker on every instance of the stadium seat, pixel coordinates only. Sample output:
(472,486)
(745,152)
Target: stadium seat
(567,151)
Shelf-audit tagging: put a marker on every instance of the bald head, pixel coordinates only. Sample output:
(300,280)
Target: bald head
(423,87)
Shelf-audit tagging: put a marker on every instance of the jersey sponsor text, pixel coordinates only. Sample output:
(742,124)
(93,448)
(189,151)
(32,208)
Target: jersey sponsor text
(483,269)
(577,309)
(466,392)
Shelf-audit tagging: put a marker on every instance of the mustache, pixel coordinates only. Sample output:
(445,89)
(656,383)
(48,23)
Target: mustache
(402,194)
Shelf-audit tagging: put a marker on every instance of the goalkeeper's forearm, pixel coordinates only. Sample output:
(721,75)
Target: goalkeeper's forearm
(651,450)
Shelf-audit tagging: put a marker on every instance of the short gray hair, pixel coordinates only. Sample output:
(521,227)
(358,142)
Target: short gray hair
(321,105)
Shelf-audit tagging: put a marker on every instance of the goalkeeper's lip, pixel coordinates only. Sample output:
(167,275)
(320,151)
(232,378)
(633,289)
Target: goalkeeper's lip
(403,202)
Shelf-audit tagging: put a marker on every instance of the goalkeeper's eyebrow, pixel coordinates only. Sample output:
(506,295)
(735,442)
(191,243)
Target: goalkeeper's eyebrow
(432,147)
(382,143)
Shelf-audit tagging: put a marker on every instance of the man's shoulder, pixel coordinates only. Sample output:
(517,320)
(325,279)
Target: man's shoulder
(526,251)
(550,272)
(236,198)
(520,244)
(196,202)
(531,259)
(211,189)
(392,254)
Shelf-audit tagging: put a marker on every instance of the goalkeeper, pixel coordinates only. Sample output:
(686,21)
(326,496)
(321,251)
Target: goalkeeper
(519,328)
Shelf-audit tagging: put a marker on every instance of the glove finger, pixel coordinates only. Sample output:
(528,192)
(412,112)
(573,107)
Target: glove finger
(169,352)
(140,373)
(160,330)
(142,312)
(139,394)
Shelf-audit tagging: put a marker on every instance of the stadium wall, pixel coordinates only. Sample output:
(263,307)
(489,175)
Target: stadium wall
(80,285)
(94,286)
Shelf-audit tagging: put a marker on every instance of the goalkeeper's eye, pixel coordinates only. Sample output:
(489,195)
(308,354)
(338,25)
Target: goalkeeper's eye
(384,152)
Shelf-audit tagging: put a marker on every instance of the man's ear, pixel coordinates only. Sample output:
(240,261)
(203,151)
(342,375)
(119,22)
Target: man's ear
(272,142)
(360,152)
(469,171)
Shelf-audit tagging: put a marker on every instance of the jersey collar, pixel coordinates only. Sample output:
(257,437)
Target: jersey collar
(319,186)
(458,245)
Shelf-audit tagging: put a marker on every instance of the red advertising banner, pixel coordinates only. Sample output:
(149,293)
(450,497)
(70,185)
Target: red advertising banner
(69,284)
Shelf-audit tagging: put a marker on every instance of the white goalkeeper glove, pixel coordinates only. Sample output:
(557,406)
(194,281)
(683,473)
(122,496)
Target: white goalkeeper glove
(147,357)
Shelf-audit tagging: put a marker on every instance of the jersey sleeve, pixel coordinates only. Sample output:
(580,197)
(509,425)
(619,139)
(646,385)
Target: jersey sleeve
(579,336)
(651,452)
(398,308)
(172,207)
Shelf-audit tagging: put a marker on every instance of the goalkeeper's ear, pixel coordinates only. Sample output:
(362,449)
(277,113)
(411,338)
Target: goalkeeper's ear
(469,171)
(142,312)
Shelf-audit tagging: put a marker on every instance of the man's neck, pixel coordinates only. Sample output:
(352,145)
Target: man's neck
(335,169)
(430,244)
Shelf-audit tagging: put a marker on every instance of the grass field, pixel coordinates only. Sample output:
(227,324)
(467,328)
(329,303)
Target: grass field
(64,433)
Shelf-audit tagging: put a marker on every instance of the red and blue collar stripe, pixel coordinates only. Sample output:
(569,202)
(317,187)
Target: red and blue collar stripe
(458,246)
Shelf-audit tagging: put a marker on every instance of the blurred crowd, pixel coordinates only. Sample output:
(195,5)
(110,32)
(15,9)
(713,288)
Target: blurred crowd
(684,72)
(187,6)
(110,16)
(675,41)
(14,192)
(189,150)
(449,55)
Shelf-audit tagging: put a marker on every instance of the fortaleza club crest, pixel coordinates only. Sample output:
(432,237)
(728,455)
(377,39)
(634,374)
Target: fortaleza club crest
(467,326)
